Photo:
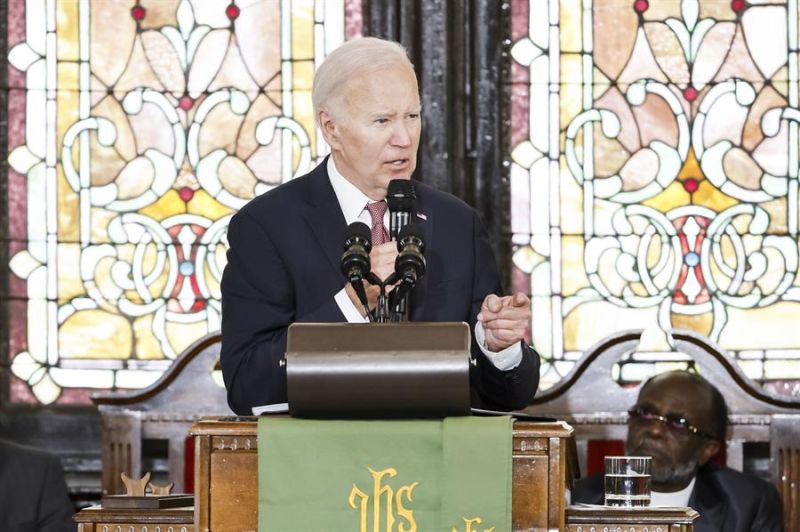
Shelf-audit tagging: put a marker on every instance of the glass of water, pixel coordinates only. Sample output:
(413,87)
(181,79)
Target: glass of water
(627,481)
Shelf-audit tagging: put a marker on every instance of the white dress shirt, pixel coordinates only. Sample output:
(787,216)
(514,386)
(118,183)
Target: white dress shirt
(353,203)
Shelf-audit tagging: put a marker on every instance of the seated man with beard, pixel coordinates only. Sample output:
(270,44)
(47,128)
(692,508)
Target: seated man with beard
(681,420)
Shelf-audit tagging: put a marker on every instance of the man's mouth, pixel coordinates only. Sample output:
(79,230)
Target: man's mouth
(397,163)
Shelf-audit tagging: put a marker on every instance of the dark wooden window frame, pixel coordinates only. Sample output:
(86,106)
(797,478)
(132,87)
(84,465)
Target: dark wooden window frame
(460,49)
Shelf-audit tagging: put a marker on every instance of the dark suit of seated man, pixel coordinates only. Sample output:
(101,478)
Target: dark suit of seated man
(33,494)
(681,420)
(285,246)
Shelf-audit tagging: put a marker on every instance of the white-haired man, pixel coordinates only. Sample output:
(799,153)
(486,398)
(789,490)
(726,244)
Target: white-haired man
(283,263)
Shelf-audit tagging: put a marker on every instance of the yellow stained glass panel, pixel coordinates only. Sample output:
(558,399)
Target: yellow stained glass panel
(570,23)
(68,210)
(67,30)
(69,275)
(573,276)
(302,31)
(95,334)
(147,346)
(167,205)
(204,205)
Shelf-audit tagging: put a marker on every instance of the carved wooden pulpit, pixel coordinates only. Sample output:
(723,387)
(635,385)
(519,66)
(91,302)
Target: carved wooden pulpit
(226,479)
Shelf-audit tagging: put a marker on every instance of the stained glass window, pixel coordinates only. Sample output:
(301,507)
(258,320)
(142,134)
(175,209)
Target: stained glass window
(655,174)
(137,128)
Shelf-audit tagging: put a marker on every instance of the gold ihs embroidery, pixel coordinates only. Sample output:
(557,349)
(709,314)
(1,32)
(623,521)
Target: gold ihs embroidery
(384,500)
(468,522)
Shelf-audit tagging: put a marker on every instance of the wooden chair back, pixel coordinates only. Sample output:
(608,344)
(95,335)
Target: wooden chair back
(591,400)
(163,412)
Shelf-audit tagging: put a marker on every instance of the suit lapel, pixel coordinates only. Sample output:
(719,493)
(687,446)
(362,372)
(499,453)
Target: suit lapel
(712,508)
(324,216)
(424,217)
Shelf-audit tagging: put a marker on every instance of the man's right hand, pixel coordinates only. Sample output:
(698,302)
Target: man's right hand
(382,259)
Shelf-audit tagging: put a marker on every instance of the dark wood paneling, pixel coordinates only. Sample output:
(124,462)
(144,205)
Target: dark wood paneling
(459,49)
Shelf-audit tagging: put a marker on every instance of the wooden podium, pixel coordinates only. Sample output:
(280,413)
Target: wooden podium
(226,478)
(226,488)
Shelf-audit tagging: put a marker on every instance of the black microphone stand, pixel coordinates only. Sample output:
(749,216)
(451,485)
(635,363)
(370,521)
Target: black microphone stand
(388,308)
(401,305)
(382,309)
(399,299)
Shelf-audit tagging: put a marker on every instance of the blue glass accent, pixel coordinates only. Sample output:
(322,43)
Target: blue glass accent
(186,268)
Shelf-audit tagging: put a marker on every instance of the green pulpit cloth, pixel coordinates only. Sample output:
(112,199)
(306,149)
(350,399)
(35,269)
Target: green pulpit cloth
(384,476)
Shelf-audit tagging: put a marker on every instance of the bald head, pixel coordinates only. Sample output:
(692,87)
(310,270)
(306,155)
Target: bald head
(712,406)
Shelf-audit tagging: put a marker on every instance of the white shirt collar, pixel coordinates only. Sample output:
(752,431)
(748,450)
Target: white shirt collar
(351,200)
(676,498)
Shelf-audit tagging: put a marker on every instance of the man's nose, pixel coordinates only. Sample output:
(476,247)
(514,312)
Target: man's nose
(401,135)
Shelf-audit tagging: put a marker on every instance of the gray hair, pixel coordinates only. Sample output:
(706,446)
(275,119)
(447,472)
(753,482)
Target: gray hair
(354,58)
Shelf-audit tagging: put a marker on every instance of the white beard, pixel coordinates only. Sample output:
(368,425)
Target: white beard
(677,473)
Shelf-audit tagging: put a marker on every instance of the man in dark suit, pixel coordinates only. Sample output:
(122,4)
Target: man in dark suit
(285,246)
(33,494)
(680,419)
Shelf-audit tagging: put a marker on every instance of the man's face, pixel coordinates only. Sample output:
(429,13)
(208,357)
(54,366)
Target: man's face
(374,131)
(676,454)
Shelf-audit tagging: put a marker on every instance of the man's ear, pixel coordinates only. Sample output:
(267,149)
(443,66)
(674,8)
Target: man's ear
(330,128)
(710,448)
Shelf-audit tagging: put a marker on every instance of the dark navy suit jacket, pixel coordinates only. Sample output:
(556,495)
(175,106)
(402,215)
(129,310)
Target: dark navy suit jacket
(725,499)
(283,267)
(33,494)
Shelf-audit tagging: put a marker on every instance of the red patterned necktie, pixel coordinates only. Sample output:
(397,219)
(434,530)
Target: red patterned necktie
(379,233)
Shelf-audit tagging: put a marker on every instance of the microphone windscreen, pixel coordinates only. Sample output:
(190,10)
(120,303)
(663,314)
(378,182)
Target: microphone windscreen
(411,230)
(357,230)
(400,195)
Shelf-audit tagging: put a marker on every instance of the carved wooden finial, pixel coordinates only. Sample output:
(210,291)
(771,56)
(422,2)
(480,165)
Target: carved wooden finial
(135,487)
(161,490)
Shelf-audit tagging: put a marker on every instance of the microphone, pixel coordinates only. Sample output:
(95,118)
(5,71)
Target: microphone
(409,266)
(402,200)
(410,262)
(355,263)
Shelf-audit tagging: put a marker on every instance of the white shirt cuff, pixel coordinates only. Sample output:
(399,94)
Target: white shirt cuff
(351,313)
(508,358)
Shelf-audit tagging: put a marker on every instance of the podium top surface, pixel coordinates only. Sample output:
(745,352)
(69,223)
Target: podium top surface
(168,516)
(597,514)
(248,426)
